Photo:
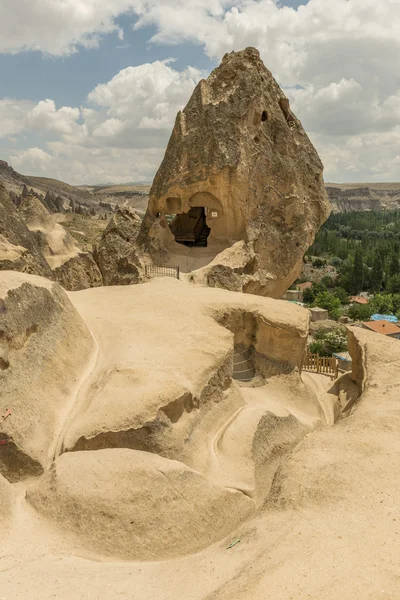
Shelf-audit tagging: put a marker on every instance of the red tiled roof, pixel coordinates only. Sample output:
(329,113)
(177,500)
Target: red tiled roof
(358,299)
(304,286)
(382,327)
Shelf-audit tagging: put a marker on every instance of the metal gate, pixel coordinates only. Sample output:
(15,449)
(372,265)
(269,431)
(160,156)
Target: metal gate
(156,271)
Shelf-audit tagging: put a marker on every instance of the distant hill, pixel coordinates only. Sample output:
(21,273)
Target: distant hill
(15,182)
(110,184)
(103,198)
(351,197)
(344,197)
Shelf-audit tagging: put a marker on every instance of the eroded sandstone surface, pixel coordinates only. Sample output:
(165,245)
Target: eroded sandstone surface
(72,268)
(18,249)
(137,505)
(117,253)
(192,449)
(160,392)
(44,349)
(31,241)
(240,169)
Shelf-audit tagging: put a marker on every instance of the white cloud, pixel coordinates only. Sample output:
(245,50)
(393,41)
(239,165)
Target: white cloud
(56,27)
(33,161)
(337,60)
(45,117)
(12,116)
(120,136)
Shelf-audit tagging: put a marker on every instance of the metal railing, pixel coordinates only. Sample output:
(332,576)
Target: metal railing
(326,365)
(156,271)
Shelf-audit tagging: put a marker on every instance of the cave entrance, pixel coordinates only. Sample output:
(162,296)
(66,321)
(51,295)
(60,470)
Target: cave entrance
(191,229)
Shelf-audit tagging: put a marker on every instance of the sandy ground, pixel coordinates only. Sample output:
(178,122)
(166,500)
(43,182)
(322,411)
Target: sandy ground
(324,524)
(190,259)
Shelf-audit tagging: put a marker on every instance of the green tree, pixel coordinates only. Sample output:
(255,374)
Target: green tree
(393,286)
(357,279)
(382,304)
(345,276)
(377,273)
(396,303)
(336,341)
(341,293)
(360,312)
(329,302)
(318,263)
(336,261)
(328,281)
(308,296)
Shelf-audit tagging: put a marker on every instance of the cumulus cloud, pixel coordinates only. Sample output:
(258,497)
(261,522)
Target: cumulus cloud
(337,62)
(120,134)
(12,116)
(55,27)
(33,160)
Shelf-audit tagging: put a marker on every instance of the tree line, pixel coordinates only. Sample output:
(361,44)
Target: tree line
(364,247)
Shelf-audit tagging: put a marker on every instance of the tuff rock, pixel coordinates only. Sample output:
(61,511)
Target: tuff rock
(238,150)
(18,249)
(117,253)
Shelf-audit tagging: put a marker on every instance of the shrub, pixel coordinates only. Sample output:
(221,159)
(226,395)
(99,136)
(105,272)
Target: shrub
(382,304)
(325,344)
(360,312)
(318,263)
(329,302)
(341,293)
(317,348)
(336,261)
(328,281)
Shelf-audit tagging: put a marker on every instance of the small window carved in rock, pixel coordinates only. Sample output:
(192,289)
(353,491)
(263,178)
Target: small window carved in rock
(264,116)
(256,139)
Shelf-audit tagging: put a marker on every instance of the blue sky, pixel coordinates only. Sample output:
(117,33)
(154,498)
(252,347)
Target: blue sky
(68,80)
(348,104)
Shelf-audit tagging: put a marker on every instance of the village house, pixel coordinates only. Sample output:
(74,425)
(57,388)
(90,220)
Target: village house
(304,286)
(294,295)
(384,327)
(319,314)
(358,300)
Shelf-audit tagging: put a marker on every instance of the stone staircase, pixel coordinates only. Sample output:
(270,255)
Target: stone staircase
(243,367)
(202,240)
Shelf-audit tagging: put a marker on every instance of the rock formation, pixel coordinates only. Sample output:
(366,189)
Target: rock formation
(18,249)
(6,502)
(180,363)
(240,169)
(122,519)
(31,241)
(72,268)
(186,425)
(44,348)
(186,440)
(117,252)
(369,197)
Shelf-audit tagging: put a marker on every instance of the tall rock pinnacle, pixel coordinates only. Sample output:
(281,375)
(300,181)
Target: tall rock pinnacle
(240,168)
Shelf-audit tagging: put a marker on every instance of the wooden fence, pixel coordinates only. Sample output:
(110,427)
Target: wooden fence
(156,271)
(326,365)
